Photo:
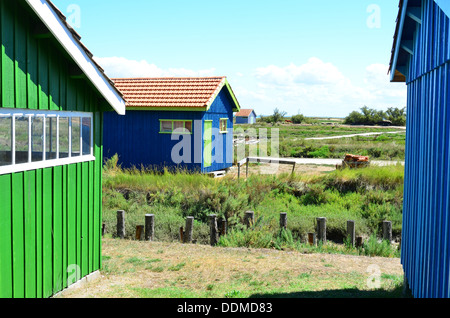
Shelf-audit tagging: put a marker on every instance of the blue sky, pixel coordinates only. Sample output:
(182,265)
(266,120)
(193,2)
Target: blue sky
(319,58)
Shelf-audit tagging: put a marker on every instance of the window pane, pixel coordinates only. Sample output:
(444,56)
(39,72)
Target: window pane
(178,126)
(166,126)
(76,131)
(223,125)
(188,126)
(5,141)
(37,138)
(63,137)
(50,138)
(86,134)
(21,139)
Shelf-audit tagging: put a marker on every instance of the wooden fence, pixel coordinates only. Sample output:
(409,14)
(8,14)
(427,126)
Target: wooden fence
(218,227)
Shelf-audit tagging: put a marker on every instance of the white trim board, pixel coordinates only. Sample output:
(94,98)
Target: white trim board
(50,18)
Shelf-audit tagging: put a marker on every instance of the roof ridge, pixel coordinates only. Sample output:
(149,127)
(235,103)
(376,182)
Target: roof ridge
(167,78)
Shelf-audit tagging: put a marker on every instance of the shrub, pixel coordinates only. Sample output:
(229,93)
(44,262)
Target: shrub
(298,119)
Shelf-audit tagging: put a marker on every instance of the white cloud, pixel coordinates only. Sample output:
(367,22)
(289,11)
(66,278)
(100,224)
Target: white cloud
(120,67)
(321,89)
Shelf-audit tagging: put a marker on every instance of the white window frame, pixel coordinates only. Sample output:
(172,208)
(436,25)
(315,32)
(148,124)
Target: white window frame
(46,163)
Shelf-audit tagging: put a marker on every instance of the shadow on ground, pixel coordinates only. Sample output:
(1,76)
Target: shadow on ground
(340,293)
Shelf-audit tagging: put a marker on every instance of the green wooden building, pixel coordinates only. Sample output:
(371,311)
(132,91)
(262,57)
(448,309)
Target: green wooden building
(52,97)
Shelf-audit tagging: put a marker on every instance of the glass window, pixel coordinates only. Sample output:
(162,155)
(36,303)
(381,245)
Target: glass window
(166,126)
(63,137)
(188,126)
(223,125)
(21,138)
(86,135)
(76,136)
(5,141)
(178,126)
(50,138)
(37,139)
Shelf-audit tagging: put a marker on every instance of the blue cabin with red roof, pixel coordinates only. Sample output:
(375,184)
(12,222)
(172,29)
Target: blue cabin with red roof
(174,123)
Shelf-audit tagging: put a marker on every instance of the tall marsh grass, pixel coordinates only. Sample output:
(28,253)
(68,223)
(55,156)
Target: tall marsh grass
(367,196)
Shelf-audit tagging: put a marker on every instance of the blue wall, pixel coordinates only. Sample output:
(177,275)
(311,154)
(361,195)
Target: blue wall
(426,220)
(222,149)
(246,120)
(136,139)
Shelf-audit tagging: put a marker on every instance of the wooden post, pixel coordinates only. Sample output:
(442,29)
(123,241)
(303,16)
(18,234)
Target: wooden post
(312,239)
(149,227)
(283,220)
(103,229)
(223,226)
(293,168)
(214,237)
(246,173)
(121,224)
(351,232)
(322,230)
(189,229)
(387,231)
(249,218)
(359,242)
(181,235)
(239,170)
(139,232)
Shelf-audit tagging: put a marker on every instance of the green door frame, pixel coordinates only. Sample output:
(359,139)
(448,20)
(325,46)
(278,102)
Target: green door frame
(207,144)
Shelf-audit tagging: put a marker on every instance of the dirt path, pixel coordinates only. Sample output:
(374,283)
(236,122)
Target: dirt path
(355,135)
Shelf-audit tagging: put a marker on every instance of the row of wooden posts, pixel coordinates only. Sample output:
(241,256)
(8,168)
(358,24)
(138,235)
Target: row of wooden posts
(219,227)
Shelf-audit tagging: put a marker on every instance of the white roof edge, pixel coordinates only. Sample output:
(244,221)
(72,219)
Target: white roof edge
(50,18)
(216,92)
(398,40)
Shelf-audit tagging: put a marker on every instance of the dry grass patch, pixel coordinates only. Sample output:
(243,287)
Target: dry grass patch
(171,270)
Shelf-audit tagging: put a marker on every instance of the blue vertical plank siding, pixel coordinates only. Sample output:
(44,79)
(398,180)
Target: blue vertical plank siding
(136,137)
(426,212)
(222,143)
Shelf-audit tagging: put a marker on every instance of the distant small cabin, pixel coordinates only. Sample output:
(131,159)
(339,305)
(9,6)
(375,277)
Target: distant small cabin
(246,116)
(182,123)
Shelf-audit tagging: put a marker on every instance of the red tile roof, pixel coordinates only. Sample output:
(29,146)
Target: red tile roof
(244,113)
(195,92)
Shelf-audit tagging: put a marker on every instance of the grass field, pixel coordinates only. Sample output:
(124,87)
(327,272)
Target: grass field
(134,269)
(261,261)
(367,196)
(293,143)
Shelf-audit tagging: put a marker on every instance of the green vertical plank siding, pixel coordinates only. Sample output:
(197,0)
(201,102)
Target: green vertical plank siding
(47,229)
(84,218)
(71,215)
(57,228)
(18,242)
(39,230)
(64,227)
(50,219)
(20,62)
(7,35)
(98,153)
(6,284)
(30,233)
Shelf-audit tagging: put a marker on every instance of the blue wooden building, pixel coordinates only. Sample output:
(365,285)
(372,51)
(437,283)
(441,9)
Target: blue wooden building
(420,57)
(184,123)
(245,116)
